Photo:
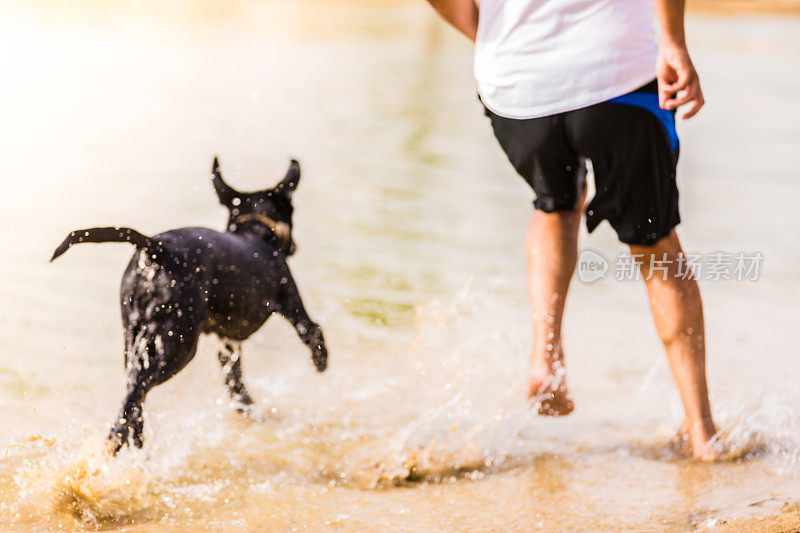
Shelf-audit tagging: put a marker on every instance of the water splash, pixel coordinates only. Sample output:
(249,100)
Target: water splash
(90,490)
(766,426)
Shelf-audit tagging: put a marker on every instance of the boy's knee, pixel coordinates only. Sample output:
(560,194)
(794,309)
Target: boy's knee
(669,245)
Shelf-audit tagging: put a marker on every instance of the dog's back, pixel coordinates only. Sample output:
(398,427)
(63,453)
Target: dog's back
(229,283)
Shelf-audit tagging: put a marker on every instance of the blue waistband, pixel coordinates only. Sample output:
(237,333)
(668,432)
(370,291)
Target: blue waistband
(649,101)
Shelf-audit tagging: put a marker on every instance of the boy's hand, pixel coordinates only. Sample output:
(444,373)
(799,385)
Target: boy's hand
(676,73)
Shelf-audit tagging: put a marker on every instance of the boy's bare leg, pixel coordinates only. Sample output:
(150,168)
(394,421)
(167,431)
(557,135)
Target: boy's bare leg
(552,250)
(678,314)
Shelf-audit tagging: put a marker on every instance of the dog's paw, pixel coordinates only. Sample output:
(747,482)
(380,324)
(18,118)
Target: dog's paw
(115,441)
(320,358)
(245,409)
(126,432)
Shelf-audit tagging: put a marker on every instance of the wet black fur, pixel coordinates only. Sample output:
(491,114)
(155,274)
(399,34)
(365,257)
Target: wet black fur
(189,281)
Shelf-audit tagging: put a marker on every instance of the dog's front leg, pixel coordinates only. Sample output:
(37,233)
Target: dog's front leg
(230,358)
(309,331)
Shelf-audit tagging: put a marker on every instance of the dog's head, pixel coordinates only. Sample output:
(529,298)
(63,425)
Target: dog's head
(266,213)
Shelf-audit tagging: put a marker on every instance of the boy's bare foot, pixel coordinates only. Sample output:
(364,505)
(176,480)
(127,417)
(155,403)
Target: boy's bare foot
(547,390)
(704,441)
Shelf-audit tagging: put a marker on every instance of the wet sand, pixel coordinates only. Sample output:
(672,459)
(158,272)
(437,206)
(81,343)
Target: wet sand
(409,224)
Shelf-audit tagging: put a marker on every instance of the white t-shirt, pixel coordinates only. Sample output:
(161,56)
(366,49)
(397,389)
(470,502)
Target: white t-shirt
(541,57)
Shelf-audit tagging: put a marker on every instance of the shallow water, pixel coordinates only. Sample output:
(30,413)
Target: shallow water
(409,225)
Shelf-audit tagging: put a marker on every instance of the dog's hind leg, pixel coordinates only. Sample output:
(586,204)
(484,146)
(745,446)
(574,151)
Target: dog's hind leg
(141,363)
(309,331)
(230,358)
(154,353)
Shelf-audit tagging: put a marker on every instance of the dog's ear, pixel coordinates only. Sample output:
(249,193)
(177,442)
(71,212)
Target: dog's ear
(289,183)
(225,192)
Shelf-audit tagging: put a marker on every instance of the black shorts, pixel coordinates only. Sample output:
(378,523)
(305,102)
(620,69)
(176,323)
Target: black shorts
(633,148)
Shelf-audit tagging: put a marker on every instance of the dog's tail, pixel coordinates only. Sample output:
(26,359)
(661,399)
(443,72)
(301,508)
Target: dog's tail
(110,234)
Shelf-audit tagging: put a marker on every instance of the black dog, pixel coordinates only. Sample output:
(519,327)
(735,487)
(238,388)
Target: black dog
(189,281)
